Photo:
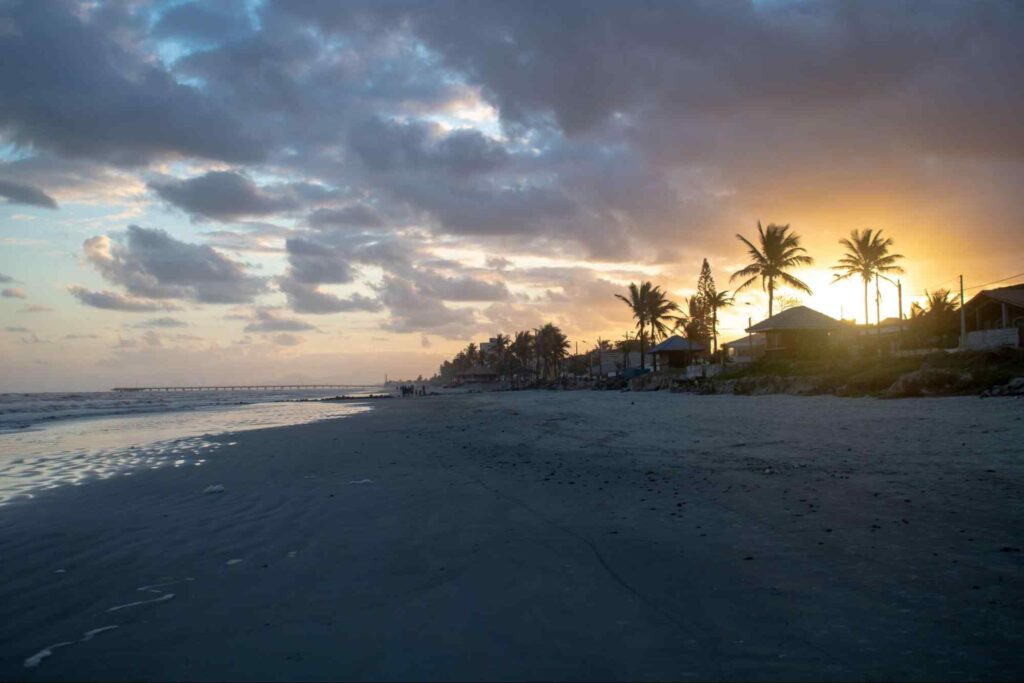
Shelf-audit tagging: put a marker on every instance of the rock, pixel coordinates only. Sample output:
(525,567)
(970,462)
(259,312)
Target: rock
(214,488)
(927,381)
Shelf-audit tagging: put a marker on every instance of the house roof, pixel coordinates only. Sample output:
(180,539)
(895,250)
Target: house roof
(797,318)
(477,370)
(677,343)
(1012,295)
(745,342)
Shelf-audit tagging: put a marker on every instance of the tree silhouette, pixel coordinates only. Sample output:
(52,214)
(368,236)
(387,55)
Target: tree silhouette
(779,250)
(867,255)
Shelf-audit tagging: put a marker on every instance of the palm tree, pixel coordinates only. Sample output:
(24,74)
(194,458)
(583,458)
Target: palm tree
(651,308)
(867,255)
(551,346)
(715,302)
(779,251)
(659,313)
(637,302)
(521,349)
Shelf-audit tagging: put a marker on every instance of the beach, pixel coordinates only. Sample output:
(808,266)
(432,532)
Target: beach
(542,535)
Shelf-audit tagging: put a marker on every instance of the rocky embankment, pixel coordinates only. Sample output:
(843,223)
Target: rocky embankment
(922,382)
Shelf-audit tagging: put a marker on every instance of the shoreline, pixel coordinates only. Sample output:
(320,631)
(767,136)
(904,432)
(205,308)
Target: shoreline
(538,534)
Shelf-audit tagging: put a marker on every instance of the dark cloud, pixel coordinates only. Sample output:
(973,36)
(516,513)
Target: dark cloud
(305,298)
(13,293)
(224,195)
(5,279)
(413,311)
(151,264)
(392,145)
(354,216)
(35,308)
(204,23)
(95,96)
(315,263)
(163,323)
(112,301)
(267,320)
(17,328)
(19,193)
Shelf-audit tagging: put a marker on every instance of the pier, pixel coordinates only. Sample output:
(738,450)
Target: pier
(239,387)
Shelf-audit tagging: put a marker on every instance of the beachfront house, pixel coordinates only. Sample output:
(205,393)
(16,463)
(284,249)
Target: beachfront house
(479,374)
(746,349)
(797,331)
(888,335)
(612,363)
(995,318)
(676,352)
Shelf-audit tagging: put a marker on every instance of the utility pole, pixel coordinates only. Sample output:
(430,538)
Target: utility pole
(963,319)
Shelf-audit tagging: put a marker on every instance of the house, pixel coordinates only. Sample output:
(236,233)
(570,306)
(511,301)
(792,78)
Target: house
(995,318)
(612,363)
(888,334)
(745,349)
(676,352)
(479,374)
(797,331)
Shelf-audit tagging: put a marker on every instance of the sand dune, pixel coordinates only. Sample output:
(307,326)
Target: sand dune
(559,535)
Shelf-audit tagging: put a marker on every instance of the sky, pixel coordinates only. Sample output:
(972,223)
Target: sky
(261,191)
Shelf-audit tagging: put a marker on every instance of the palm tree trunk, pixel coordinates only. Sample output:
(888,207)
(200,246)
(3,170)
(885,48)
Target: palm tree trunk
(714,327)
(866,321)
(641,346)
(878,306)
(771,297)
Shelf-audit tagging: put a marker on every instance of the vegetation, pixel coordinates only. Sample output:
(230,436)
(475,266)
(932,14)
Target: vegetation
(867,255)
(651,309)
(778,251)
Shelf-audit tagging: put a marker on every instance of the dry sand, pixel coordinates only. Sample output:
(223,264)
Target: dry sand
(555,535)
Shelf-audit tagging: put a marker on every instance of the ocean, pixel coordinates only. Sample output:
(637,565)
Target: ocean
(49,440)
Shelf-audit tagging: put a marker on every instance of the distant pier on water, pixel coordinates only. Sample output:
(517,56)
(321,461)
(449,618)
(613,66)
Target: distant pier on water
(239,387)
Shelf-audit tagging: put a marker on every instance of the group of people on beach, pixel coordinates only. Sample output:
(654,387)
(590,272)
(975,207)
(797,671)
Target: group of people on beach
(413,390)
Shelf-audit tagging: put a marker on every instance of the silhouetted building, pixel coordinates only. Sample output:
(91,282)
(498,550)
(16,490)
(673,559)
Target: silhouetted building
(797,331)
(477,375)
(995,317)
(676,352)
(745,349)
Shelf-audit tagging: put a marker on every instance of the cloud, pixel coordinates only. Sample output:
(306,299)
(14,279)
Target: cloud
(19,193)
(13,293)
(355,215)
(225,196)
(112,301)
(96,96)
(266,320)
(35,308)
(304,298)
(151,264)
(163,323)
(17,329)
(384,145)
(286,339)
(5,279)
(413,311)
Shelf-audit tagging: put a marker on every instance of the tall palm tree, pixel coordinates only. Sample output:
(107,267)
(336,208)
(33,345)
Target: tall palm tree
(652,309)
(779,250)
(659,313)
(551,346)
(867,255)
(717,301)
(522,348)
(693,320)
(637,302)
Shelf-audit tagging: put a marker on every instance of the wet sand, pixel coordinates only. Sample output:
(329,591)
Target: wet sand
(554,535)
